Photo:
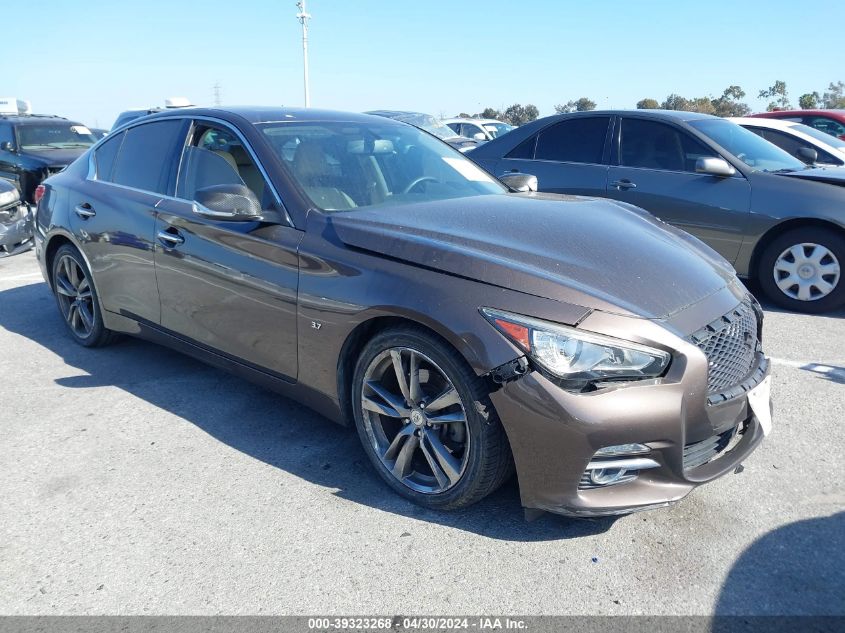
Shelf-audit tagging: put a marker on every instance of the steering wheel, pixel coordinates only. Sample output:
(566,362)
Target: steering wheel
(417,181)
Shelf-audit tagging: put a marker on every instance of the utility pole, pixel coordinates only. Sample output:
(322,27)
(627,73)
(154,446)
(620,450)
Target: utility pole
(216,93)
(303,17)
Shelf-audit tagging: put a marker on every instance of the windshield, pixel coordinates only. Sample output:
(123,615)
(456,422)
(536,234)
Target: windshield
(751,149)
(344,166)
(429,124)
(824,137)
(54,135)
(497,129)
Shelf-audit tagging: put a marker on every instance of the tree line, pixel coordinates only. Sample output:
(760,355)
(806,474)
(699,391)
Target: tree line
(729,103)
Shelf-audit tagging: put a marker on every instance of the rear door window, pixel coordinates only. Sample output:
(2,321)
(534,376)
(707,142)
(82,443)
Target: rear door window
(578,140)
(654,145)
(147,154)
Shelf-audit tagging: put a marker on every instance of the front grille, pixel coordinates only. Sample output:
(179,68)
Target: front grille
(731,344)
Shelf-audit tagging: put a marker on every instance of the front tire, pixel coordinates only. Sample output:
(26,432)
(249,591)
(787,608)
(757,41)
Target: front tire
(77,299)
(426,421)
(801,270)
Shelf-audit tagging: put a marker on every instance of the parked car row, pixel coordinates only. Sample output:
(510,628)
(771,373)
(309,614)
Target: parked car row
(467,331)
(479,129)
(432,126)
(830,122)
(805,143)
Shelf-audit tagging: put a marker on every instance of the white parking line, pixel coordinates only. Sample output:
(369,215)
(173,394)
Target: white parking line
(834,371)
(21,277)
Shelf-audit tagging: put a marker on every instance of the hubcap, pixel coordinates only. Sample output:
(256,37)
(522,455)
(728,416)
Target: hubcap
(807,272)
(415,420)
(75,299)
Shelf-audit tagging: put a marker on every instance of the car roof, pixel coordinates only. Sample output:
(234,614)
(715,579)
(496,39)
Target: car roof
(390,114)
(838,114)
(774,124)
(458,119)
(32,118)
(265,114)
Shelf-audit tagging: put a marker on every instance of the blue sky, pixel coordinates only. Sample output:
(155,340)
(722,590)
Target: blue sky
(90,59)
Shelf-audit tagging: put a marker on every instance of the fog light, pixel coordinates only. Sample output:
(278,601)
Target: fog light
(607,476)
(608,471)
(623,449)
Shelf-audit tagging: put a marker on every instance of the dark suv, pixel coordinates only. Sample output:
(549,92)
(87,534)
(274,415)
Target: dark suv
(35,146)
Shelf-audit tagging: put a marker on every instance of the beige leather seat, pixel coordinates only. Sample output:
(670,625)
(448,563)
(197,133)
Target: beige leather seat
(248,171)
(312,170)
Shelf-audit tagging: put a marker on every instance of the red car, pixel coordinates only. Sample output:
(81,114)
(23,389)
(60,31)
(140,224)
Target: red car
(830,121)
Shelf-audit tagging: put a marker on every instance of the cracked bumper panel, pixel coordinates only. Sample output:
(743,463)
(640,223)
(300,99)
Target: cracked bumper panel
(16,234)
(554,435)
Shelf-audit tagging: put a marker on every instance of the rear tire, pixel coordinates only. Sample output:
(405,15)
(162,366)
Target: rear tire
(405,429)
(801,270)
(77,298)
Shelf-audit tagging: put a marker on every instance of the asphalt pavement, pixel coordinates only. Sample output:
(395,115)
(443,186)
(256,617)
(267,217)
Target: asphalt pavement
(134,480)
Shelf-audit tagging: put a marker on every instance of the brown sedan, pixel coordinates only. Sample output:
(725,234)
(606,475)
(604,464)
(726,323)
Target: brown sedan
(367,269)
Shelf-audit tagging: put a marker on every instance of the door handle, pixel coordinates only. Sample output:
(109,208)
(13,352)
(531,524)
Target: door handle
(170,237)
(623,184)
(85,211)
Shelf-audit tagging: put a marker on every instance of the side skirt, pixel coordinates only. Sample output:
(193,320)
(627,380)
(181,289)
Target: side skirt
(283,385)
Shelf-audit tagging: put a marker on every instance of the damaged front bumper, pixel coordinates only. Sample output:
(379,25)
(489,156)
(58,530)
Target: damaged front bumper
(635,447)
(16,230)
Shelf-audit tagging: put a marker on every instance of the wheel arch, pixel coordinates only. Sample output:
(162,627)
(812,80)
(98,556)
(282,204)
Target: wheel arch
(779,229)
(365,331)
(51,247)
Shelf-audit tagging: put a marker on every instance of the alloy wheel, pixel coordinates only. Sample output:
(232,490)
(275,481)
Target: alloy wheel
(807,272)
(75,298)
(415,419)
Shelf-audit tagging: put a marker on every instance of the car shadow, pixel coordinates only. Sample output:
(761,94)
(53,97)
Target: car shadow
(833,373)
(261,424)
(795,570)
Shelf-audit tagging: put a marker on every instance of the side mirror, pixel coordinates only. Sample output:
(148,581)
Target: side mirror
(714,167)
(807,155)
(7,146)
(227,203)
(519,182)
(479,136)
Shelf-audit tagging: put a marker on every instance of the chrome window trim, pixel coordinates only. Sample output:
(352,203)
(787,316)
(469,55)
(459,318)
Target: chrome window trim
(92,172)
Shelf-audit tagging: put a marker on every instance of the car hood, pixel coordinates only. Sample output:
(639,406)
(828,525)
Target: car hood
(52,157)
(595,253)
(829,175)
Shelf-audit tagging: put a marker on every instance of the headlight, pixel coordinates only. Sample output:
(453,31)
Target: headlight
(577,357)
(9,197)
